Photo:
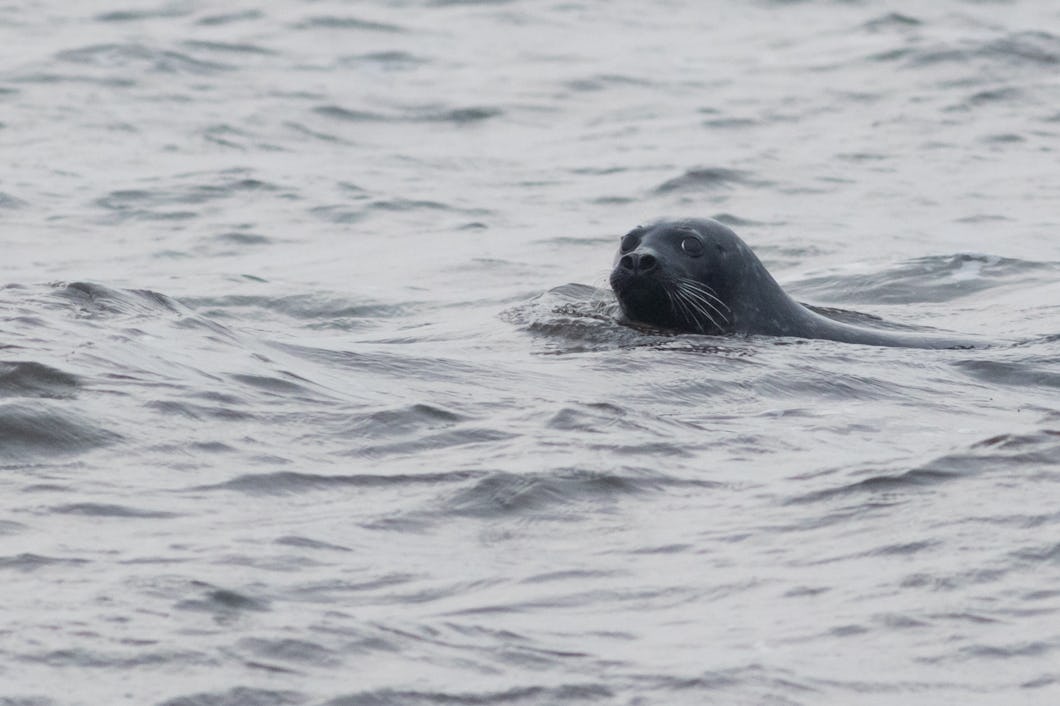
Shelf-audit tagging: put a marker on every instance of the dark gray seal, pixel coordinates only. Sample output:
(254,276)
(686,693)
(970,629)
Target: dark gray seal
(697,276)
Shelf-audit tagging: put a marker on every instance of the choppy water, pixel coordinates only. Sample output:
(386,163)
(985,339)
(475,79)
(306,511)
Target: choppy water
(298,404)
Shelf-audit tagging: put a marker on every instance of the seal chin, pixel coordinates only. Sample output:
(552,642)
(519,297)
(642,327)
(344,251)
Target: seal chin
(643,298)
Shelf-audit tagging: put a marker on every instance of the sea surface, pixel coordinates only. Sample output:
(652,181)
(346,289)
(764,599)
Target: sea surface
(312,391)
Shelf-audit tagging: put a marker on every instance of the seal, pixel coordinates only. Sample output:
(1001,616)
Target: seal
(697,276)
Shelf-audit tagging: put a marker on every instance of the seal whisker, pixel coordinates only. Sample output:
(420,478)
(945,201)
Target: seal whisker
(702,299)
(679,307)
(697,314)
(706,291)
(673,302)
(696,306)
(698,296)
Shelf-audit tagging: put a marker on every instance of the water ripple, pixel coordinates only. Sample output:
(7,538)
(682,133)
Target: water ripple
(139,56)
(555,495)
(41,430)
(938,278)
(33,562)
(708,179)
(229,18)
(293,482)
(424,114)
(346,22)
(564,694)
(30,379)
(108,510)
(239,696)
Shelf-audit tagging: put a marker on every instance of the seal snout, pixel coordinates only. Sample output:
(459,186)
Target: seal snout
(638,263)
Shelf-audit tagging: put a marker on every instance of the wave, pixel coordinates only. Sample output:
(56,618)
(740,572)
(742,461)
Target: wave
(347,22)
(422,114)
(133,56)
(30,379)
(564,694)
(936,278)
(44,430)
(287,482)
(998,454)
(710,178)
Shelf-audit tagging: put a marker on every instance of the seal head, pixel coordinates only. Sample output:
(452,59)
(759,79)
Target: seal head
(687,276)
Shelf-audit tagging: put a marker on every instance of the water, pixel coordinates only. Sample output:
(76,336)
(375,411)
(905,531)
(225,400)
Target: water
(311,391)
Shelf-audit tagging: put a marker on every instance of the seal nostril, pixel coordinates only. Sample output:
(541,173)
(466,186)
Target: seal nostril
(638,263)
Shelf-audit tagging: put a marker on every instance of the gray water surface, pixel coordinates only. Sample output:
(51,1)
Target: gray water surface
(311,390)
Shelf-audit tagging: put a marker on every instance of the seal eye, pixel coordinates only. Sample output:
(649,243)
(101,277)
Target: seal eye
(692,246)
(630,242)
